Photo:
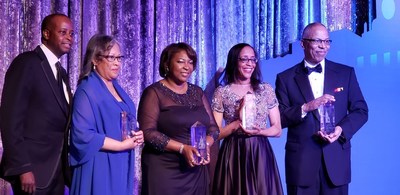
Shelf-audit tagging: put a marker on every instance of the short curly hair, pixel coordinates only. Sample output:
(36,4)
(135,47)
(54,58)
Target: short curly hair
(168,53)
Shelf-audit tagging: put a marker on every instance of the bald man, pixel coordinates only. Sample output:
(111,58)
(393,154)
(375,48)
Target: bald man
(316,162)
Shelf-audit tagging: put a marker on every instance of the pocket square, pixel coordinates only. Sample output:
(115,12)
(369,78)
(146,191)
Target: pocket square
(339,89)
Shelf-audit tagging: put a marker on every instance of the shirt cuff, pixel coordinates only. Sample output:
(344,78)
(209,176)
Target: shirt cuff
(303,113)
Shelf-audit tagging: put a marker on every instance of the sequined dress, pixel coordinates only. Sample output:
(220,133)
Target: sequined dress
(246,165)
(164,115)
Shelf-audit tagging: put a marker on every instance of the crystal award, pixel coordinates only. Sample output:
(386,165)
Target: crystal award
(249,111)
(133,124)
(327,117)
(198,140)
(128,124)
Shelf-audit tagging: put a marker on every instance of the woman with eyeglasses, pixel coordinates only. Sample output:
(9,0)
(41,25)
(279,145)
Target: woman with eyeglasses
(246,162)
(100,154)
(167,111)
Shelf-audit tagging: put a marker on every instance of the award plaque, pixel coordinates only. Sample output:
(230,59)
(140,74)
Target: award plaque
(128,124)
(198,140)
(327,117)
(249,111)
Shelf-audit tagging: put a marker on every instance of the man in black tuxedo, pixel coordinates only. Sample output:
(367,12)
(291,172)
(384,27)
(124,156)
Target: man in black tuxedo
(315,162)
(34,113)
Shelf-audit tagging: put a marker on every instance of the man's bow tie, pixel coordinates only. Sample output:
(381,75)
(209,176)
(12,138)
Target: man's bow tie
(317,68)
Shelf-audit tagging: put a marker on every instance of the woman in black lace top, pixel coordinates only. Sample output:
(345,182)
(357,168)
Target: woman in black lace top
(167,110)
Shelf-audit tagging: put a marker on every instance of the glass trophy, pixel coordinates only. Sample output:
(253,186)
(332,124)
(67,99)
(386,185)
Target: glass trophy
(198,140)
(249,111)
(128,124)
(133,124)
(327,117)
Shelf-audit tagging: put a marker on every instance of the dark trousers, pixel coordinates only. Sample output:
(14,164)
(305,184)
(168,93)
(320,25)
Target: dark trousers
(56,186)
(322,186)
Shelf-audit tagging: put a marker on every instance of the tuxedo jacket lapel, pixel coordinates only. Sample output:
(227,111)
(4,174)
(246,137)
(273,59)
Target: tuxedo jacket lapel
(69,91)
(303,83)
(52,81)
(331,78)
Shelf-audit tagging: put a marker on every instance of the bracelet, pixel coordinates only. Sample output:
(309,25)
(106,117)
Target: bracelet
(181,149)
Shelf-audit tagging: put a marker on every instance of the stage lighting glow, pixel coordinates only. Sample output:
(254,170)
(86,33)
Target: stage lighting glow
(386,58)
(360,61)
(373,59)
(388,9)
(398,57)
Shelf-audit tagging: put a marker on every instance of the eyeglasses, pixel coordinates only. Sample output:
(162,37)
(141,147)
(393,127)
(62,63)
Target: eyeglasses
(319,41)
(113,58)
(247,60)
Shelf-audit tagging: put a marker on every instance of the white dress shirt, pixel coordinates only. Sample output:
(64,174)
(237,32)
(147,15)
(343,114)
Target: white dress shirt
(316,81)
(52,61)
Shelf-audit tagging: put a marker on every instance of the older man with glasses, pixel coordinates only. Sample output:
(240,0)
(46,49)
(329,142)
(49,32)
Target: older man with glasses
(318,162)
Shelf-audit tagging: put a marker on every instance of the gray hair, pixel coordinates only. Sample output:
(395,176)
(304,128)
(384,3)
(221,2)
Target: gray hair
(98,45)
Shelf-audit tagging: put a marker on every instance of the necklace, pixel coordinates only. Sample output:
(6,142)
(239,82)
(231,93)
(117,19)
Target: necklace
(242,85)
(241,89)
(175,88)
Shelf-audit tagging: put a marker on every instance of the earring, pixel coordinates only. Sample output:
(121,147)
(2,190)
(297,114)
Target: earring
(94,66)
(166,70)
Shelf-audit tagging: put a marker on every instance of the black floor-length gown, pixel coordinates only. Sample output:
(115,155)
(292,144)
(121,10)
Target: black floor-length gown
(164,115)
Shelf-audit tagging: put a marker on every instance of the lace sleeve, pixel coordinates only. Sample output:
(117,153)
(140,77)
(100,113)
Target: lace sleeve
(271,97)
(213,129)
(148,113)
(216,103)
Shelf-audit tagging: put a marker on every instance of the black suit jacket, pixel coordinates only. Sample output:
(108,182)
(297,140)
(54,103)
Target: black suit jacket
(303,150)
(34,119)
